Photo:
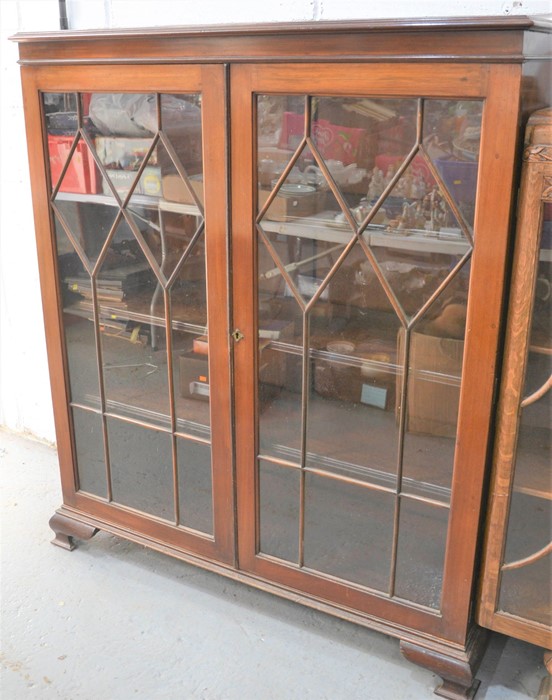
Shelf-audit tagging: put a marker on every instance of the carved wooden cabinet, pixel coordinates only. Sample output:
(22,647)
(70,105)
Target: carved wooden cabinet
(516,589)
(273,262)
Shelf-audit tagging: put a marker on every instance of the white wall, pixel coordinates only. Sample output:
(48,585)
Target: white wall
(25,403)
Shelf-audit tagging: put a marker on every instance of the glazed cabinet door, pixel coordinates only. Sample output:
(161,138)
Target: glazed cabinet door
(368,270)
(131,221)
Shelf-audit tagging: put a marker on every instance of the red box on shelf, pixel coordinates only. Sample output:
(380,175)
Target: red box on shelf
(81,176)
(333,141)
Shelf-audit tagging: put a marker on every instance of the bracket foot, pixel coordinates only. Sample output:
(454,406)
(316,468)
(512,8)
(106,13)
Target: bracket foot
(457,671)
(66,529)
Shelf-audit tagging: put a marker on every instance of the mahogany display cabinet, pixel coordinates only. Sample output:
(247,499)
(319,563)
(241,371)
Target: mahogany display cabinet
(273,263)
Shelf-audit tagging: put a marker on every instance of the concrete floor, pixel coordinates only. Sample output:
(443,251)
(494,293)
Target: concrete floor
(113,620)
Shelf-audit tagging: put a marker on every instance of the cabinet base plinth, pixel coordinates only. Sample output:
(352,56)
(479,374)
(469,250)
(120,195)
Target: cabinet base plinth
(456,670)
(451,690)
(67,529)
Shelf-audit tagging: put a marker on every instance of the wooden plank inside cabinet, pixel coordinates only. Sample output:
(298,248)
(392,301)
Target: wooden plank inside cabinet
(518,475)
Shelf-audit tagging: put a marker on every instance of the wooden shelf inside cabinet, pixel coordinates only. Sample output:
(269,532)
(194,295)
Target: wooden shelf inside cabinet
(322,227)
(138,310)
(140,200)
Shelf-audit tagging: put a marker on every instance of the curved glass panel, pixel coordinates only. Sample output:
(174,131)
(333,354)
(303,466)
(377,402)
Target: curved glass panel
(527,565)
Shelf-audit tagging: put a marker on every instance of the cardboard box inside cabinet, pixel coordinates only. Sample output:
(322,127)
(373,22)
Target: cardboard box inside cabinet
(194,376)
(122,158)
(337,381)
(149,183)
(122,153)
(285,207)
(81,176)
(434,383)
(175,189)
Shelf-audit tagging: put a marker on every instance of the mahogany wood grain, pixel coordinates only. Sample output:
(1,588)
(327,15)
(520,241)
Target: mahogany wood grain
(243,282)
(394,25)
(486,293)
(458,673)
(67,529)
(479,40)
(412,80)
(216,175)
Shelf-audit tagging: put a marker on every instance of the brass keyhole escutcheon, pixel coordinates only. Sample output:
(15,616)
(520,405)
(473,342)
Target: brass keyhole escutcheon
(238,335)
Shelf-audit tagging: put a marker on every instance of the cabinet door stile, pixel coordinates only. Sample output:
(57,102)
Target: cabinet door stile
(492,221)
(215,92)
(243,281)
(48,280)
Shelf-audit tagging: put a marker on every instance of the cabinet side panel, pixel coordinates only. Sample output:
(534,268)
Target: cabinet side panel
(48,279)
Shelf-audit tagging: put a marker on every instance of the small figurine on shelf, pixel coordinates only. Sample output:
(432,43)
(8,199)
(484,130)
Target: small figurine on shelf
(390,174)
(435,209)
(377,184)
(404,186)
(418,188)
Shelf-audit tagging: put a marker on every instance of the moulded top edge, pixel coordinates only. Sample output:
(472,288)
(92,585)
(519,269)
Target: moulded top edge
(319,26)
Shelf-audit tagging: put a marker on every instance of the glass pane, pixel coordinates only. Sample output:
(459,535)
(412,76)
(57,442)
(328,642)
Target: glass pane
(89,446)
(435,375)
(348,531)
(132,332)
(363,141)
(122,158)
(452,134)
(279,511)
(304,201)
(191,383)
(280,130)
(144,482)
(130,115)
(195,485)
(280,363)
(421,552)
(121,127)
(61,126)
(351,426)
(181,124)
(189,290)
(533,449)
(526,590)
(78,323)
(190,343)
(419,242)
(89,219)
(166,230)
